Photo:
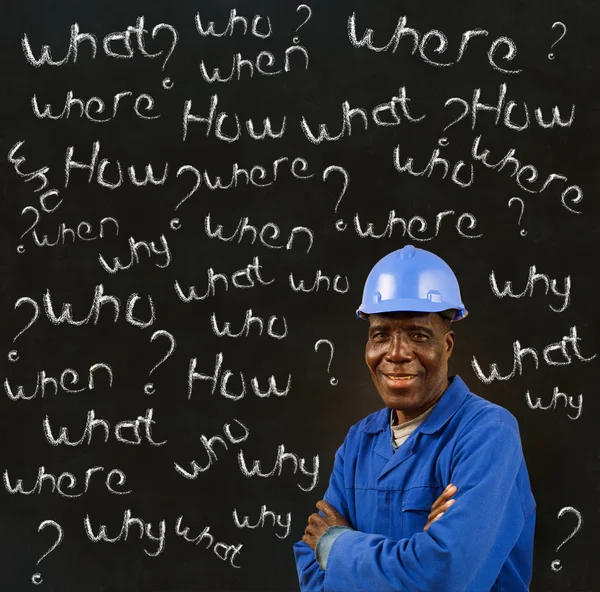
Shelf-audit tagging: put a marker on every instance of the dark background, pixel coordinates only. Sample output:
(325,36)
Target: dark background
(562,454)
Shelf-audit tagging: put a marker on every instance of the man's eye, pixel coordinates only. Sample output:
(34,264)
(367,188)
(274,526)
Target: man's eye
(420,336)
(378,336)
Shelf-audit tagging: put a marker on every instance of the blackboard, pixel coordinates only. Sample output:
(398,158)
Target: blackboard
(193,194)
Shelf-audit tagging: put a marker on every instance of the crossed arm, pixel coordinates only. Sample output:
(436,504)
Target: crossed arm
(317,524)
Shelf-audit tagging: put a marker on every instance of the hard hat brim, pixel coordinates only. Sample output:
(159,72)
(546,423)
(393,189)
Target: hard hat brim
(411,305)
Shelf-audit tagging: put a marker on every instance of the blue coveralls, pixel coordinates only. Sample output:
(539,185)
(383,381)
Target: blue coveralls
(483,543)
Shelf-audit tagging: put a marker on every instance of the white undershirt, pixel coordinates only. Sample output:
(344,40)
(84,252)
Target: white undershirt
(404,430)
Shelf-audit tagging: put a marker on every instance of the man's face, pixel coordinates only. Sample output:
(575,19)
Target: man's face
(407,353)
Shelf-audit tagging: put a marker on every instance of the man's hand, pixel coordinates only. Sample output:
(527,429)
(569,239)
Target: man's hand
(317,525)
(440,505)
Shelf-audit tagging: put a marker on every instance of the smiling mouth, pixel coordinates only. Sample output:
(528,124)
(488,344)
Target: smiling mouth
(400,378)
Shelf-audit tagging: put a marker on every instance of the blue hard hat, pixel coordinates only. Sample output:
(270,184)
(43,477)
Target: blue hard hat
(411,279)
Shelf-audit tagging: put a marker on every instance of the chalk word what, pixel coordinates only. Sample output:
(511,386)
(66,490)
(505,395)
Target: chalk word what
(521,352)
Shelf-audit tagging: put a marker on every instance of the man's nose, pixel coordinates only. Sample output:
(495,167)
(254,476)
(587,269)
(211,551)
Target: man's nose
(399,349)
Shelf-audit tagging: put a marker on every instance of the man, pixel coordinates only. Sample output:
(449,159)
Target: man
(387,522)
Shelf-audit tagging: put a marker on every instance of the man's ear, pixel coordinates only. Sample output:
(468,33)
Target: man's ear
(449,340)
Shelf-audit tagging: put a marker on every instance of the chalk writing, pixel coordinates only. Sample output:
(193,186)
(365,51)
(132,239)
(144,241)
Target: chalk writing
(519,353)
(282,457)
(265,515)
(124,432)
(221,378)
(557,396)
(532,279)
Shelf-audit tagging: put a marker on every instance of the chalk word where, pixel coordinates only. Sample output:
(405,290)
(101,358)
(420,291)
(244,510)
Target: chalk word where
(282,457)
(99,301)
(119,431)
(221,378)
(71,482)
(214,124)
(233,24)
(256,176)
(532,279)
(243,278)
(129,50)
(37,175)
(93,107)
(261,64)
(209,444)
(383,115)
(503,111)
(223,551)
(69,378)
(83,231)
(249,321)
(526,174)
(416,227)
(129,522)
(553,404)
(439,40)
(262,520)
(268,232)
(150,248)
(298,285)
(520,352)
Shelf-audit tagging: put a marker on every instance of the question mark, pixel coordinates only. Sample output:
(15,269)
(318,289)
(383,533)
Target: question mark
(522,232)
(551,55)
(556,566)
(340,223)
(37,577)
(333,380)
(149,387)
(167,82)
(297,39)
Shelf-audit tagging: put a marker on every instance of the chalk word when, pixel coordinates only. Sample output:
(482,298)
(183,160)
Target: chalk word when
(83,231)
(261,64)
(69,378)
(268,232)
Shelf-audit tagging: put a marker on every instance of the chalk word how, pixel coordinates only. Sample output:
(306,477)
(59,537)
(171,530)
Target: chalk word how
(221,378)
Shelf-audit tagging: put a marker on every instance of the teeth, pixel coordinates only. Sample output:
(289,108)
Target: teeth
(400,377)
